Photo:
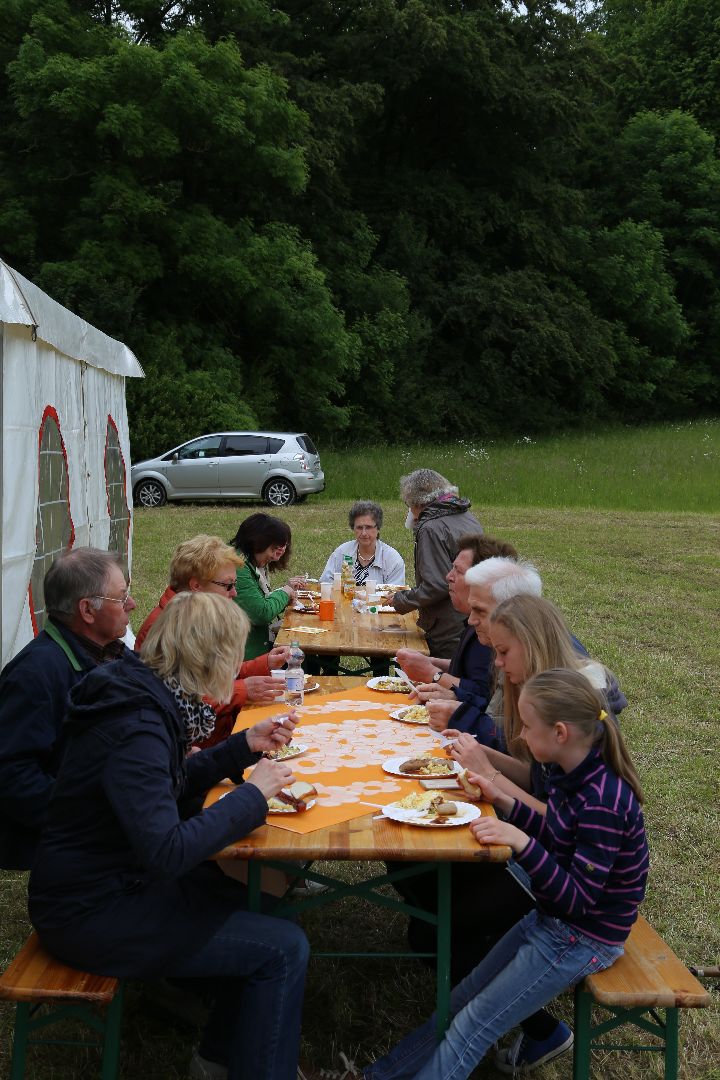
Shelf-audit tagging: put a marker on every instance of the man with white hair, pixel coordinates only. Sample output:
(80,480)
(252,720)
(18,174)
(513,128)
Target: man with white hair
(439,517)
(493,581)
(488,583)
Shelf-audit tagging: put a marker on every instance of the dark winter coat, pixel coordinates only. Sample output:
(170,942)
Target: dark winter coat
(437,532)
(34,688)
(119,884)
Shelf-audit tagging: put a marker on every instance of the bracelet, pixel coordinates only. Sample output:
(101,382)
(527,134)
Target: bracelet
(491,778)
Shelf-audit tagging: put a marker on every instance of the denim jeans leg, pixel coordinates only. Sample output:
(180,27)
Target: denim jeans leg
(533,963)
(406,1058)
(551,958)
(256,965)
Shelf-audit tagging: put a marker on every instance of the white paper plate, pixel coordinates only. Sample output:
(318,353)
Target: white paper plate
(399,714)
(376,684)
(291,809)
(309,687)
(392,766)
(296,748)
(466,813)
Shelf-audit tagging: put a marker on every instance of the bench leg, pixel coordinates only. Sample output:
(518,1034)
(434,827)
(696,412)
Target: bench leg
(111,1043)
(671,1043)
(17,1065)
(581,1045)
(444,884)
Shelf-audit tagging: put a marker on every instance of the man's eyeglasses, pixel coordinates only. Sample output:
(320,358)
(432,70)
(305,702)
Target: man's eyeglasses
(228,586)
(124,600)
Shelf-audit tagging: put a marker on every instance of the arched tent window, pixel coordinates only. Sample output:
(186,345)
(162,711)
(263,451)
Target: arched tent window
(54,529)
(118,510)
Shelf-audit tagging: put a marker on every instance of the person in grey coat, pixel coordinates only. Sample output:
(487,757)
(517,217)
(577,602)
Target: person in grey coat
(439,517)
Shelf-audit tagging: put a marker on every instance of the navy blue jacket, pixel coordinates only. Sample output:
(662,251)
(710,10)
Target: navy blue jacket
(34,690)
(472,663)
(118,884)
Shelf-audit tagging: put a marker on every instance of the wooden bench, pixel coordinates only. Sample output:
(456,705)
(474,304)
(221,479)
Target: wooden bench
(47,991)
(647,978)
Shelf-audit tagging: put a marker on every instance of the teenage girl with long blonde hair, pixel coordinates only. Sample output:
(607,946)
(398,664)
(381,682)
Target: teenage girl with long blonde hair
(529,635)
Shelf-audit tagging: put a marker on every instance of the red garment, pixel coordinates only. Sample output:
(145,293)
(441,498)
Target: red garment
(162,603)
(226,713)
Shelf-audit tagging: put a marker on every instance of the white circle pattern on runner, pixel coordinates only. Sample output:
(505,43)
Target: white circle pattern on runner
(356,744)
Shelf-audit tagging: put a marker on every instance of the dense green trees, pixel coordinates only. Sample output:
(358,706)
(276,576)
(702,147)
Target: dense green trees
(307,213)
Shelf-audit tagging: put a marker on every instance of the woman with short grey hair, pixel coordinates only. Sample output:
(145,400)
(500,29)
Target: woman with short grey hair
(372,559)
(439,517)
(423,486)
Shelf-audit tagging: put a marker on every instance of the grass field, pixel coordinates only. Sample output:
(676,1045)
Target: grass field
(640,589)
(664,467)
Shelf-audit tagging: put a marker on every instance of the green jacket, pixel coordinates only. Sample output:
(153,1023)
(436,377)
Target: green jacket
(259,608)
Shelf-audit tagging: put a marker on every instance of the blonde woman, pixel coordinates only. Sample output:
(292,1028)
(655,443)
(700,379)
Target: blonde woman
(121,885)
(529,635)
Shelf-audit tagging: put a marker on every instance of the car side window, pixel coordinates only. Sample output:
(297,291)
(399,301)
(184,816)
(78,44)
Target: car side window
(201,448)
(245,445)
(274,446)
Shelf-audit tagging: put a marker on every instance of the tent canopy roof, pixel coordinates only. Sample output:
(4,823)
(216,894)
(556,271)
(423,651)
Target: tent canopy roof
(23,304)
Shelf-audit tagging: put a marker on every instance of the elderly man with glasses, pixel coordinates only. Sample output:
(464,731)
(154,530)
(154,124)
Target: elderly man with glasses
(207,564)
(88,602)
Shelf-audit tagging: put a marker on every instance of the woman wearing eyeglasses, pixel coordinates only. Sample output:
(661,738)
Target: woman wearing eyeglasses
(207,564)
(373,560)
(266,544)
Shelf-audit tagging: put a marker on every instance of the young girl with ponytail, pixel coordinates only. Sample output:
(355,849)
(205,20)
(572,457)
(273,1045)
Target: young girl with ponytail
(587,860)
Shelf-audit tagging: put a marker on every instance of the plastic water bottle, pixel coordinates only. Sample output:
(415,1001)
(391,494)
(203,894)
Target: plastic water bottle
(295,677)
(348,577)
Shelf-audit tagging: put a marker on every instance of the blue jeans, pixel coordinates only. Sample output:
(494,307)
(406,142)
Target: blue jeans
(535,961)
(255,967)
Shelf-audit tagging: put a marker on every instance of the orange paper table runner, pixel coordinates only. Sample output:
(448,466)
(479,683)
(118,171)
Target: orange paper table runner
(348,734)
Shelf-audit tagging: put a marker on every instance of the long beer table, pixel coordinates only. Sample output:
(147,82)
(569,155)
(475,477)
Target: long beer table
(352,633)
(370,837)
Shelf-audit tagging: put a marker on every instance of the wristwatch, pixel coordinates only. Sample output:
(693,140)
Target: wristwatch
(438,676)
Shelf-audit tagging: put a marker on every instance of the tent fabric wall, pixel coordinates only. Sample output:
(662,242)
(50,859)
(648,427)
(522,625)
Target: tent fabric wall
(35,375)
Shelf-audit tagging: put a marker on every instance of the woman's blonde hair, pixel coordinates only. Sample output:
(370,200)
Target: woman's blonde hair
(546,642)
(199,638)
(563,694)
(201,557)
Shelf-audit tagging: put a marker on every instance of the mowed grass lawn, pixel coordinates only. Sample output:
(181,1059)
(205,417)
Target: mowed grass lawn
(641,591)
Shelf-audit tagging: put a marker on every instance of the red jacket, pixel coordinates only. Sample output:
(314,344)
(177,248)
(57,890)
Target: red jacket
(225,713)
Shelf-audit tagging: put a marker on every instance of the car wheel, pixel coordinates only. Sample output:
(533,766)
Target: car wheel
(279,493)
(150,494)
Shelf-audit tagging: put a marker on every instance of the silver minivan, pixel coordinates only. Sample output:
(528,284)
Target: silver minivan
(272,465)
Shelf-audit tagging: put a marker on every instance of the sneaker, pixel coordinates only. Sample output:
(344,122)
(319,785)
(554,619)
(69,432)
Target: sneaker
(349,1071)
(202,1069)
(527,1054)
(305,888)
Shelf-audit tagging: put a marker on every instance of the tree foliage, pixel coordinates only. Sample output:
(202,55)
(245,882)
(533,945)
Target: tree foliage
(301,214)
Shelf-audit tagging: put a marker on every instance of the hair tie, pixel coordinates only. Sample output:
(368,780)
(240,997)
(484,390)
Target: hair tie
(602,715)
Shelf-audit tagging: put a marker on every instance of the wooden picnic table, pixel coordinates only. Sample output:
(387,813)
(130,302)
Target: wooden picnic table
(369,838)
(352,633)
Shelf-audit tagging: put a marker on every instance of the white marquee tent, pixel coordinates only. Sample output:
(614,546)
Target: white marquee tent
(65,451)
